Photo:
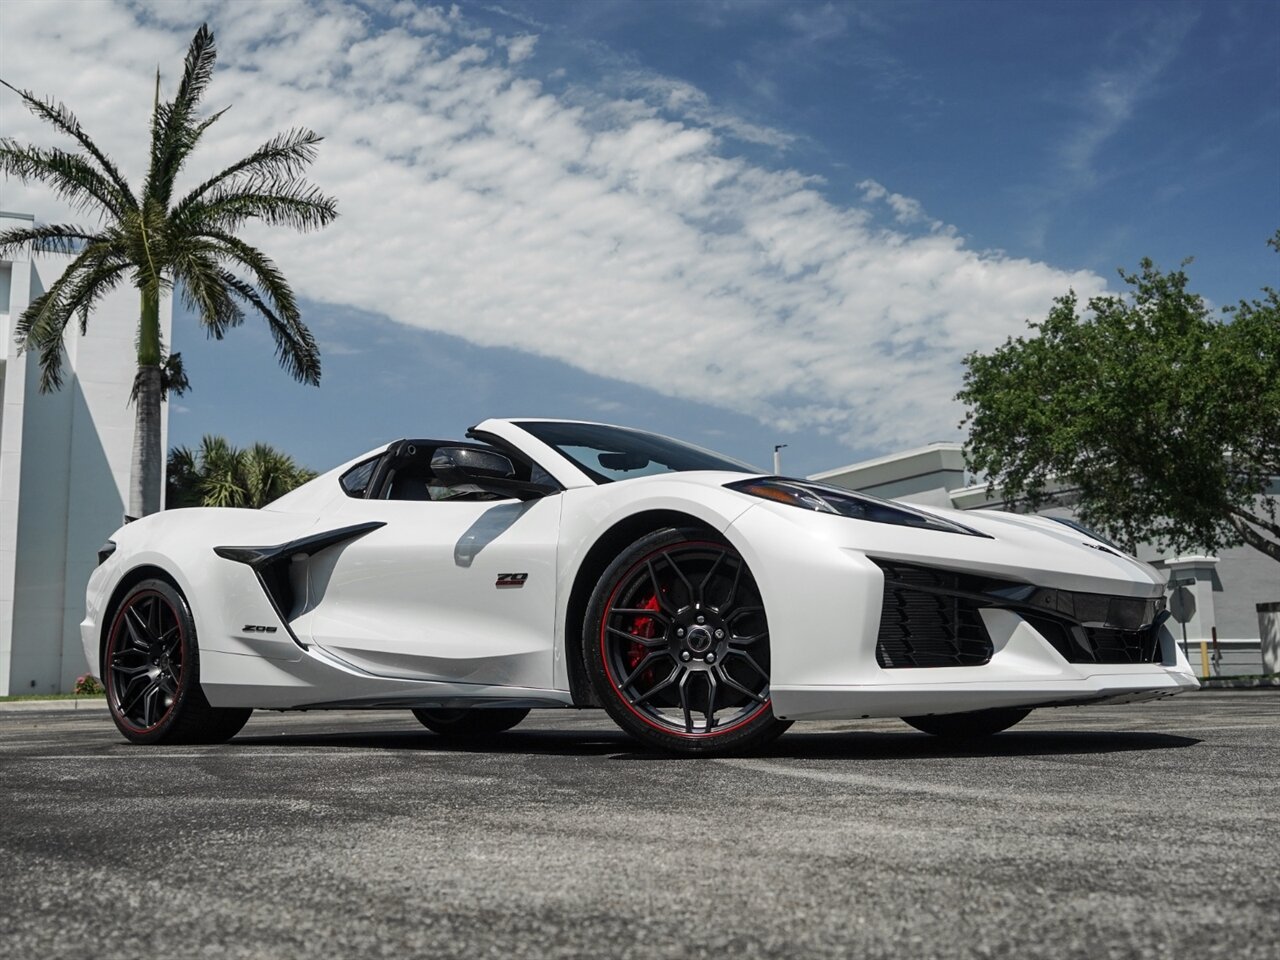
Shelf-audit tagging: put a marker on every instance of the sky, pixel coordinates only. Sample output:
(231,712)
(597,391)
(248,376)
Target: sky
(741,223)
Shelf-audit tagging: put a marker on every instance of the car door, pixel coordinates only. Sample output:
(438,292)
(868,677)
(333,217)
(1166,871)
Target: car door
(460,591)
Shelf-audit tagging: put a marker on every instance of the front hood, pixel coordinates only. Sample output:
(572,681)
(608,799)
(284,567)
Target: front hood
(1025,549)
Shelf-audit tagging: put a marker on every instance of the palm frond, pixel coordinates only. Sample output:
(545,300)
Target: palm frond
(98,283)
(45,320)
(206,123)
(180,479)
(283,156)
(48,307)
(42,325)
(272,283)
(50,237)
(197,70)
(74,180)
(56,113)
(296,348)
(181,459)
(174,130)
(292,203)
(220,478)
(173,377)
(205,292)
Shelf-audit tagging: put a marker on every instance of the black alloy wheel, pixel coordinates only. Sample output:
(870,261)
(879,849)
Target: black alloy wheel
(677,646)
(968,726)
(469,724)
(151,669)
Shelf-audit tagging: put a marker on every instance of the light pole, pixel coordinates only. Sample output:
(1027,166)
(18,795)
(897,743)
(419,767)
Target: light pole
(777,459)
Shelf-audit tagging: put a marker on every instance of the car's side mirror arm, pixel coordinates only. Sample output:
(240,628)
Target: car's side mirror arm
(520,489)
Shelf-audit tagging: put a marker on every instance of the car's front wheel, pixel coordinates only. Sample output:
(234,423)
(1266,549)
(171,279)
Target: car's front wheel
(151,669)
(677,646)
(968,726)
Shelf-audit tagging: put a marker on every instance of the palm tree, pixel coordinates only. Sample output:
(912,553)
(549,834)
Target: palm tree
(221,475)
(157,242)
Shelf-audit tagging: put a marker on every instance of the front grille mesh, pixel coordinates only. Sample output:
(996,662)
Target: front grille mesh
(1100,644)
(922,628)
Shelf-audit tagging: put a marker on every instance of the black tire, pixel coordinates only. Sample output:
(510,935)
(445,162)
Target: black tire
(464,724)
(968,726)
(676,616)
(151,669)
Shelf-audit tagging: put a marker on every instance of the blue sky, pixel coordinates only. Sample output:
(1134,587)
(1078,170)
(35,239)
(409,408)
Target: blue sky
(743,223)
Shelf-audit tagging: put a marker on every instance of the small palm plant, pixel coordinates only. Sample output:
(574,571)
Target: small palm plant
(218,474)
(157,239)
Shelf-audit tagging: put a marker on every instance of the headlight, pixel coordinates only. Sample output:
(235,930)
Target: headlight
(845,503)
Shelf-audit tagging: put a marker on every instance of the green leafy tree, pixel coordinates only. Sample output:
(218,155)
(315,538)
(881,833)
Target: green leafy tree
(157,238)
(218,474)
(1164,417)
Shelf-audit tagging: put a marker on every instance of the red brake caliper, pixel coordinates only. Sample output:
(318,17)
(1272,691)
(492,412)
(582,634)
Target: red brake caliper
(647,629)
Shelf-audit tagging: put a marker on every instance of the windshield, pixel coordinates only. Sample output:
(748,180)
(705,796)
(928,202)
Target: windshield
(607,453)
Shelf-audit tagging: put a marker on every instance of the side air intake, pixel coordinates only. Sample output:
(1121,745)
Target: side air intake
(271,564)
(926,622)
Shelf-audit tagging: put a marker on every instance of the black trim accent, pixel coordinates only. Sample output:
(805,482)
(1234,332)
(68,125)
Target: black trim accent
(271,564)
(394,457)
(451,702)
(373,464)
(1081,644)
(930,618)
(511,450)
(1081,627)
(105,551)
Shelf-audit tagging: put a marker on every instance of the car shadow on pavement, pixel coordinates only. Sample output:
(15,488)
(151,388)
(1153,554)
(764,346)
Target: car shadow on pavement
(910,745)
(533,742)
(860,745)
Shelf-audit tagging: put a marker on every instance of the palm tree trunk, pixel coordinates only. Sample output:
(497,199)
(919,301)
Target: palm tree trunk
(144,493)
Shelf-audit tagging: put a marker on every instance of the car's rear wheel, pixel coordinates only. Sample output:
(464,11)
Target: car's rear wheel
(464,724)
(968,726)
(151,669)
(677,646)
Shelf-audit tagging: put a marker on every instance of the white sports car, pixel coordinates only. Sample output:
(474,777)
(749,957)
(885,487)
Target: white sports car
(547,563)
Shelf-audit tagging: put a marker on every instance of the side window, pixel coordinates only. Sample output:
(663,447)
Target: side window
(355,482)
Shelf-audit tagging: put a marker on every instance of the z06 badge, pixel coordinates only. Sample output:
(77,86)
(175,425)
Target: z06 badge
(511,580)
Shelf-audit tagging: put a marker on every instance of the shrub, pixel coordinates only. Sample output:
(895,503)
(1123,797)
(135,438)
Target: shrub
(89,686)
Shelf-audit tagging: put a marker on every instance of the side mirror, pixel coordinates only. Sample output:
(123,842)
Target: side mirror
(463,464)
(486,469)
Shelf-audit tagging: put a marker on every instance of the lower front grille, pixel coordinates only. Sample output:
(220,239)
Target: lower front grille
(1079,644)
(931,617)
(922,624)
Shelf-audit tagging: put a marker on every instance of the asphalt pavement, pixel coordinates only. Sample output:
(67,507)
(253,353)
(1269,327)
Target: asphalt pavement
(1148,830)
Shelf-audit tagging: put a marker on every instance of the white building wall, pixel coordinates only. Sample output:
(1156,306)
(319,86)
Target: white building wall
(64,475)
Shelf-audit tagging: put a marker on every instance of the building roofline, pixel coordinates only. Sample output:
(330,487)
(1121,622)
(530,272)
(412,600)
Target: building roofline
(935,446)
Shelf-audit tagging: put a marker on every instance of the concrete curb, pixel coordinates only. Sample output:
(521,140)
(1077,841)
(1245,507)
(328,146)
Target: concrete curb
(1254,683)
(93,704)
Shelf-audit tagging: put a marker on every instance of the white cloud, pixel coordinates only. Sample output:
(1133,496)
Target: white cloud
(690,103)
(519,48)
(604,234)
(906,210)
